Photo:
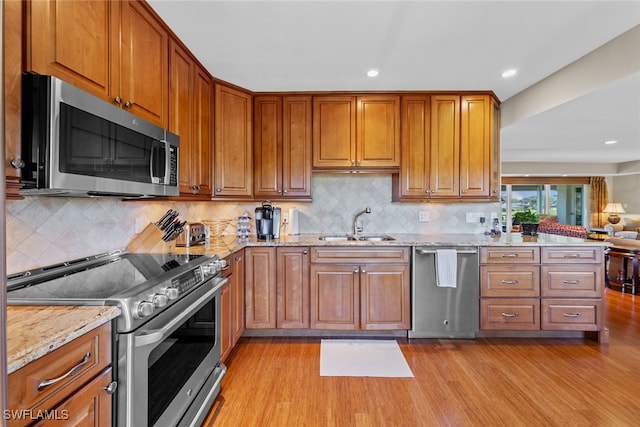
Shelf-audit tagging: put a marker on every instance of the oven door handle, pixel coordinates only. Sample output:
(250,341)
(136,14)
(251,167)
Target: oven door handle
(156,335)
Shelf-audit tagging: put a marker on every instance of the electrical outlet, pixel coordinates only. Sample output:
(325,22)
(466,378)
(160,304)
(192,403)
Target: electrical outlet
(423,216)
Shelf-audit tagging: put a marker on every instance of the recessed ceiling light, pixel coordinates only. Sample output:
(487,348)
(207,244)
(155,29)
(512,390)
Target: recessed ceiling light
(509,73)
(611,141)
(373,73)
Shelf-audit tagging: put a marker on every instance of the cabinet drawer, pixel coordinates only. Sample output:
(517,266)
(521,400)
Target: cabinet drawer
(350,255)
(514,314)
(571,255)
(571,281)
(508,255)
(509,281)
(572,314)
(94,346)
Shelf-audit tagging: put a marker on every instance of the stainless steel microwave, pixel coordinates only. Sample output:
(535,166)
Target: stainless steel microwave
(76,144)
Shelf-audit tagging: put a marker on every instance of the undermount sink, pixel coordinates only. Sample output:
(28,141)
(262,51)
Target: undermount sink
(348,237)
(376,238)
(340,238)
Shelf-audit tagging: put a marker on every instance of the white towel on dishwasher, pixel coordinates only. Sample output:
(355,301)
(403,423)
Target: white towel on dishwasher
(446,268)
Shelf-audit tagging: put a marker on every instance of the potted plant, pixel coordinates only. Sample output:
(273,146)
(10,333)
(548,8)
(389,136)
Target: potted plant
(529,221)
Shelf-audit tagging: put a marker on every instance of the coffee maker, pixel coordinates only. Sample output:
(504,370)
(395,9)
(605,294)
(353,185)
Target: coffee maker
(268,221)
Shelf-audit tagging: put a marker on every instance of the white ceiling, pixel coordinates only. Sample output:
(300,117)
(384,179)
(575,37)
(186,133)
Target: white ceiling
(429,45)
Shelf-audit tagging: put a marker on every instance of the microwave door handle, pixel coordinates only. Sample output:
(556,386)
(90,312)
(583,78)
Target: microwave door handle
(167,162)
(152,163)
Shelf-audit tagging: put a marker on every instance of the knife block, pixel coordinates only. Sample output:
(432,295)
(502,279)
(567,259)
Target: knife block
(149,241)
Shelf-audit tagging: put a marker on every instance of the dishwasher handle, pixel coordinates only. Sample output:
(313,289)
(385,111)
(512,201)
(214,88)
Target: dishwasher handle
(460,251)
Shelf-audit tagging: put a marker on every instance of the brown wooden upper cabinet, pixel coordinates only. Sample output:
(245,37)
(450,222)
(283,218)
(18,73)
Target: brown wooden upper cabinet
(191,117)
(233,147)
(116,50)
(282,147)
(356,132)
(450,148)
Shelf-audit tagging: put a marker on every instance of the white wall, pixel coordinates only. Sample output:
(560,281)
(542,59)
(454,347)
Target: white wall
(626,190)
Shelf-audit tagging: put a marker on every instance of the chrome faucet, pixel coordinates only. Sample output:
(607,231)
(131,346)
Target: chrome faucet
(357,229)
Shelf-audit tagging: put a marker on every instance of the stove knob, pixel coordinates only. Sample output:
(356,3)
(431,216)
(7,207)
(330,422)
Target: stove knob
(159,300)
(170,292)
(143,309)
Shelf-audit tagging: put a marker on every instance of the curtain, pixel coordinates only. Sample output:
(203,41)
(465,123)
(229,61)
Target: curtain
(598,198)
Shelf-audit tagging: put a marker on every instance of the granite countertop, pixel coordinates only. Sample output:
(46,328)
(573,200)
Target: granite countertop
(229,244)
(33,331)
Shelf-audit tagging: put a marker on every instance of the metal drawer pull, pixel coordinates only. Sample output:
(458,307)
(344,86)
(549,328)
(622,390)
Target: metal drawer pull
(510,282)
(571,315)
(572,255)
(509,255)
(510,315)
(73,371)
(571,282)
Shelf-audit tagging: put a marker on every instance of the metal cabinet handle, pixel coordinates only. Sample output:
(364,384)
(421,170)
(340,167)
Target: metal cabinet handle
(571,255)
(510,282)
(218,190)
(73,371)
(18,163)
(510,315)
(127,104)
(237,259)
(571,282)
(356,271)
(117,100)
(509,255)
(363,271)
(111,388)
(571,315)
(285,191)
(305,252)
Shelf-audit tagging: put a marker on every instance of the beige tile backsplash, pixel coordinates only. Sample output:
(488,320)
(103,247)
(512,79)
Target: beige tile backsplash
(46,230)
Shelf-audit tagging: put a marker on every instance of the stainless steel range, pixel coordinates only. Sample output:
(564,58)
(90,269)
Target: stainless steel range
(167,338)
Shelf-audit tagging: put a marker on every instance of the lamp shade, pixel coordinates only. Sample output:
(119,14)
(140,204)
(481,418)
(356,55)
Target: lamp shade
(614,208)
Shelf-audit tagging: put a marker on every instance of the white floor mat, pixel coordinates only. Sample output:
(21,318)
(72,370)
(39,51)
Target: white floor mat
(362,358)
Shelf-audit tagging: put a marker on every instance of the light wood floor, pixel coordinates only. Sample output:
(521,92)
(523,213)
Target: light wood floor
(482,382)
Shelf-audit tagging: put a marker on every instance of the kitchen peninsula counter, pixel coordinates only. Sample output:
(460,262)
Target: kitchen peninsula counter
(229,244)
(33,331)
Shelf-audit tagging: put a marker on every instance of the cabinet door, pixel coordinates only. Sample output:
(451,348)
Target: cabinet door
(90,406)
(475,146)
(267,146)
(233,150)
(260,287)
(202,133)
(335,297)
(296,146)
(292,287)
(181,72)
(378,140)
(226,322)
(75,41)
(236,283)
(445,146)
(384,300)
(495,169)
(143,64)
(334,131)
(13,59)
(415,147)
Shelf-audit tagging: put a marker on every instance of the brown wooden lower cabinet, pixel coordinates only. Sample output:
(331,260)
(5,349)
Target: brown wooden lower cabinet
(232,315)
(260,287)
(548,288)
(80,399)
(360,289)
(292,287)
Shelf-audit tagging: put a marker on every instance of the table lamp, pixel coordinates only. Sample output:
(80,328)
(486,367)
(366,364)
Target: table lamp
(613,209)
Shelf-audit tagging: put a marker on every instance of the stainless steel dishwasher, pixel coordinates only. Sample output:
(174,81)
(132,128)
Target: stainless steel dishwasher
(445,312)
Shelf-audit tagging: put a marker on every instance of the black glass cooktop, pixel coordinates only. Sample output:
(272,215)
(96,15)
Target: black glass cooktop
(98,280)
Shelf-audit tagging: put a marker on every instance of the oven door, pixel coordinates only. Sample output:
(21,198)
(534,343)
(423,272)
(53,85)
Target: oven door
(169,370)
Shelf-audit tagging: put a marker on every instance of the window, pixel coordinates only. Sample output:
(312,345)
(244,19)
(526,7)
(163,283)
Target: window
(547,196)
